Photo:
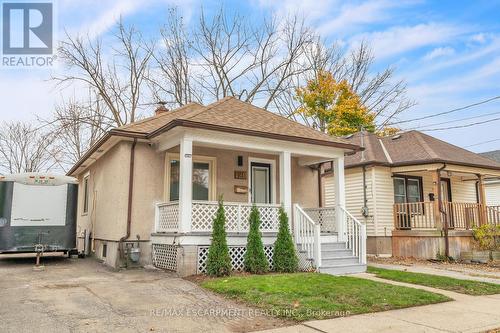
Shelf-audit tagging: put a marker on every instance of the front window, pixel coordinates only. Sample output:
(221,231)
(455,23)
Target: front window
(202,179)
(407,189)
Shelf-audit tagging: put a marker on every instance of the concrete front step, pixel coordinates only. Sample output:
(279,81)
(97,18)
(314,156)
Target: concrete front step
(333,246)
(343,269)
(339,261)
(335,253)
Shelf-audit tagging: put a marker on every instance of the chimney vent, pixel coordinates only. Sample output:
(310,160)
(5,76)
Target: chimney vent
(161,108)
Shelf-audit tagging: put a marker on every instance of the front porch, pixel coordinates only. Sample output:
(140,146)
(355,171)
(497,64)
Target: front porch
(436,207)
(266,173)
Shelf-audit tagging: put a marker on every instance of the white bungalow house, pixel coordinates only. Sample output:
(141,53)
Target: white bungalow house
(154,185)
(411,190)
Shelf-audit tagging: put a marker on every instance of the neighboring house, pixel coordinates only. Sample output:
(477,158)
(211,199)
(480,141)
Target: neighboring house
(492,186)
(155,183)
(405,187)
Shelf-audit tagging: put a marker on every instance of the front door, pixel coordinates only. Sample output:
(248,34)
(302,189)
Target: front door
(260,182)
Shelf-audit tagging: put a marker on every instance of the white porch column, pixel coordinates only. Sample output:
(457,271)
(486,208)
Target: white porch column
(185,184)
(286,182)
(338,169)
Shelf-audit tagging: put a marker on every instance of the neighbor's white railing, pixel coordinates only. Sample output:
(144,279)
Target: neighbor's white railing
(355,235)
(237,215)
(167,217)
(307,235)
(324,216)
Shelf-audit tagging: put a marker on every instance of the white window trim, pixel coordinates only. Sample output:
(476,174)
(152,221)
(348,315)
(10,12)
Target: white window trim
(212,165)
(86,176)
(273,176)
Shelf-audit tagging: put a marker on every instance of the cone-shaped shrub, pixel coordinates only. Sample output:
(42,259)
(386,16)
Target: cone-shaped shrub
(284,256)
(218,261)
(255,257)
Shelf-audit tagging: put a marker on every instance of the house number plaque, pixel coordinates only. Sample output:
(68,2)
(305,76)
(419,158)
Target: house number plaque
(240,174)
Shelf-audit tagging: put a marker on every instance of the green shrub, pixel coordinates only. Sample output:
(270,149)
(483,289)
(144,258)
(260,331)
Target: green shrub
(284,257)
(255,258)
(218,261)
(487,237)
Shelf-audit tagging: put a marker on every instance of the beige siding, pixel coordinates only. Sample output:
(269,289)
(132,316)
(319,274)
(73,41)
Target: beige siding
(353,194)
(492,194)
(305,190)
(463,191)
(384,200)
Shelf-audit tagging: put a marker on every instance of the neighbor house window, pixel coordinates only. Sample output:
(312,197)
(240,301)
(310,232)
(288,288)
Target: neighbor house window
(408,189)
(203,180)
(85,194)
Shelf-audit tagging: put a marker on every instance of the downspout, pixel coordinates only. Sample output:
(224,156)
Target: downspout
(364,210)
(130,195)
(443,212)
(320,187)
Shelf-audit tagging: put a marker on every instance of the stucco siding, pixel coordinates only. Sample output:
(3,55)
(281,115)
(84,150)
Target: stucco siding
(305,190)
(107,199)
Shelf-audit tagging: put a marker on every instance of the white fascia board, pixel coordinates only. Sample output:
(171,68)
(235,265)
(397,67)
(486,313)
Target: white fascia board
(224,140)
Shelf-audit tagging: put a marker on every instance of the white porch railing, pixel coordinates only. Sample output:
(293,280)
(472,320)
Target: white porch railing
(167,217)
(203,214)
(355,235)
(307,235)
(237,215)
(324,216)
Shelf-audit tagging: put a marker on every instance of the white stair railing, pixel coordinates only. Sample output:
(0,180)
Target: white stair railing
(355,235)
(307,235)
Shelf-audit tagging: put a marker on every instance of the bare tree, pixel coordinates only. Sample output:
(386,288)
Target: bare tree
(117,74)
(26,148)
(77,126)
(228,56)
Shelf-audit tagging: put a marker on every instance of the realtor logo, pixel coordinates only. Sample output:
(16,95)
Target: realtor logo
(27,29)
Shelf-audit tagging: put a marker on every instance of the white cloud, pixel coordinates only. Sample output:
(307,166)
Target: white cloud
(401,39)
(439,52)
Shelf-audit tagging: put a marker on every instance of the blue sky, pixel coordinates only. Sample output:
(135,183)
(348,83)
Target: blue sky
(447,51)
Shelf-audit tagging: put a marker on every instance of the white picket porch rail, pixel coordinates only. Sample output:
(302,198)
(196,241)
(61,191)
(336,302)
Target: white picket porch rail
(307,235)
(324,216)
(355,235)
(203,213)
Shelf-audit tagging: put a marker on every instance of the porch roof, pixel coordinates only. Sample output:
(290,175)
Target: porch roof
(412,148)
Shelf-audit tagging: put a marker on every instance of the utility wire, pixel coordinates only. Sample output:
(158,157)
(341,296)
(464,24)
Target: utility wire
(452,121)
(445,112)
(481,143)
(461,126)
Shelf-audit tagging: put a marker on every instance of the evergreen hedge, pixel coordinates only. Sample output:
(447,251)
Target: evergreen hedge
(255,260)
(218,261)
(285,258)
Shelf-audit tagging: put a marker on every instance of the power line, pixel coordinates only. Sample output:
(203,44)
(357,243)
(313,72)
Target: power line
(453,121)
(461,126)
(481,143)
(445,112)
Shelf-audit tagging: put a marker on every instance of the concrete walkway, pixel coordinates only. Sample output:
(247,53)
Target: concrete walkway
(464,314)
(465,274)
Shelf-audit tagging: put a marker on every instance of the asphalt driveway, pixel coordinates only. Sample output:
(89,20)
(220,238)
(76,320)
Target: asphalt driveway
(82,295)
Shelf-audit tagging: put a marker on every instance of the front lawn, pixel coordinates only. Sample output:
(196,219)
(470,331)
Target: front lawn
(306,296)
(441,282)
